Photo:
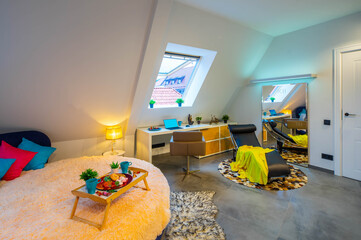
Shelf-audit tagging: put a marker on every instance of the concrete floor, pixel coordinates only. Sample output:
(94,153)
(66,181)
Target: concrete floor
(328,207)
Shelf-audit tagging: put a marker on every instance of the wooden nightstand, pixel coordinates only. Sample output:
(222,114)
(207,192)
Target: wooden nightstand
(116,153)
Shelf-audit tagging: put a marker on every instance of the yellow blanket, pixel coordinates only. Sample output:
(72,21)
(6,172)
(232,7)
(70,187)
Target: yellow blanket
(301,140)
(251,164)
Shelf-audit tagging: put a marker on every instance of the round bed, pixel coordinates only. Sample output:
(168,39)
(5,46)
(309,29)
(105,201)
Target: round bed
(37,205)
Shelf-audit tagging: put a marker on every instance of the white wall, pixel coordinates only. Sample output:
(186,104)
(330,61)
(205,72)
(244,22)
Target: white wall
(296,98)
(305,51)
(239,49)
(82,147)
(69,67)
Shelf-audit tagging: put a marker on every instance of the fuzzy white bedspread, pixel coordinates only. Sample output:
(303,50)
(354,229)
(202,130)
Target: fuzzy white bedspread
(37,205)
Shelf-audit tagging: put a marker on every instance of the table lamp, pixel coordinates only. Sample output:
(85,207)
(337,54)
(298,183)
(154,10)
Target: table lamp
(113,133)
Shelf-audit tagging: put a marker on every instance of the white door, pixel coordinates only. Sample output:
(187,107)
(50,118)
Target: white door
(351,106)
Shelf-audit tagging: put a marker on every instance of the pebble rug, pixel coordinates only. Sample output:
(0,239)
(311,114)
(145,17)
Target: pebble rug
(193,217)
(295,157)
(295,180)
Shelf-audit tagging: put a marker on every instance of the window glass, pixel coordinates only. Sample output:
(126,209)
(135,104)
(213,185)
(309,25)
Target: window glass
(174,77)
(279,92)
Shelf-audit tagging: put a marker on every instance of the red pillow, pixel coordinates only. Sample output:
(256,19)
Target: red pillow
(22,159)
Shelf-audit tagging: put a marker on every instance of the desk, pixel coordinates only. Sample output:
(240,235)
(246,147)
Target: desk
(216,135)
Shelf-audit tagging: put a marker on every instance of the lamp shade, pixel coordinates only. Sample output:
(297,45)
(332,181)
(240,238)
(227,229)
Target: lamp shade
(113,133)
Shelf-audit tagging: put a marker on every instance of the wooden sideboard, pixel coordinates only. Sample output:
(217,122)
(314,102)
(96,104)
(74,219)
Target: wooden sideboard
(216,135)
(217,139)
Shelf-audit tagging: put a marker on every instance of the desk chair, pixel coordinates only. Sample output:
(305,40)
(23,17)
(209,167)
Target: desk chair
(294,124)
(186,144)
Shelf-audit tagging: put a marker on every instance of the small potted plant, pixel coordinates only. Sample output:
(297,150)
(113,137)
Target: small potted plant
(113,167)
(151,103)
(89,176)
(198,119)
(272,99)
(179,101)
(225,118)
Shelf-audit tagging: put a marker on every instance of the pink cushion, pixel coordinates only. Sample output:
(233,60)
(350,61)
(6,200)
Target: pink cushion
(22,159)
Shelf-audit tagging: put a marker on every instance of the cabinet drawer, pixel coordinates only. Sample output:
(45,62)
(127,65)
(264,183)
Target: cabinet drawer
(226,144)
(212,147)
(224,131)
(210,133)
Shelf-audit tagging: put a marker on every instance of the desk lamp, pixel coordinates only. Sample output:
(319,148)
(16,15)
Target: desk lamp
(113,133)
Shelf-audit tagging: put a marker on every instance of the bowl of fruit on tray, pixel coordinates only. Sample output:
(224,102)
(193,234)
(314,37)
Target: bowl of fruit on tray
(114,181)
(154,128)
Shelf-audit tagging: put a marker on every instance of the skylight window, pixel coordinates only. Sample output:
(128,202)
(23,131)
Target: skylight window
(174,78)
(279,93)
(181,75)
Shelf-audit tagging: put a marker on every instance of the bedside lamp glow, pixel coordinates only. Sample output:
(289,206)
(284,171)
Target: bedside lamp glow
(113,133)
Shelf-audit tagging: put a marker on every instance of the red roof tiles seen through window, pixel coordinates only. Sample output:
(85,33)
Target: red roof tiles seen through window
(165,96)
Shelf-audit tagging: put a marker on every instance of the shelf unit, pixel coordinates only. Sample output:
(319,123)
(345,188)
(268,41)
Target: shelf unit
(218,140)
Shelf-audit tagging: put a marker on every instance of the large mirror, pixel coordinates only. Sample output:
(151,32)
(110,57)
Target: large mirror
(285,121)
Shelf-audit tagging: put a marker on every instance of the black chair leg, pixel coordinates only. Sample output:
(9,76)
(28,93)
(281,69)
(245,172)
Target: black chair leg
(279,146)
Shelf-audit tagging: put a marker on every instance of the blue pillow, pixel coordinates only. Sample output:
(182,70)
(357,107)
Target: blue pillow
(42,156)
(5,164)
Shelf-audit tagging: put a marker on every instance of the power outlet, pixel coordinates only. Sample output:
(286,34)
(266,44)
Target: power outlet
(327,156)
(327,122)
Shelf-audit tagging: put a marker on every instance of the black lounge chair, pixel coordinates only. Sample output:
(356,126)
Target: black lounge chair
(281,137)
(245,135)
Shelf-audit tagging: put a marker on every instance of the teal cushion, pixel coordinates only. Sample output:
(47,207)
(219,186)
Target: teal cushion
(5,164)
(42,156)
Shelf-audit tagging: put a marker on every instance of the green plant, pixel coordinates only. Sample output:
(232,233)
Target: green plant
(225,117)
(114,165)
(88,174)
(198,118)
(151,101)
(272,99)
(179,100)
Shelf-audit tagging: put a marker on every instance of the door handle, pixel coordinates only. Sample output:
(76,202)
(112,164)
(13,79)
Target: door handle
(350,114)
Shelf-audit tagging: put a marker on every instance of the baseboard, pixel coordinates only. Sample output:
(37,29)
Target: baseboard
(322,169)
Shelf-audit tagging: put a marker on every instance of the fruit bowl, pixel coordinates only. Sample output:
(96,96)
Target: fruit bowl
(154,128)
(111,182)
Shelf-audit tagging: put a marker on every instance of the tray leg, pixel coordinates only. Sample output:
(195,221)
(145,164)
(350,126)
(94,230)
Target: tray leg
(74,207)
(105,215)
(76,218)
(146,184)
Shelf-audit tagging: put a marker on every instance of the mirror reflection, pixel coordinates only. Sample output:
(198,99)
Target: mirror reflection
(285,121)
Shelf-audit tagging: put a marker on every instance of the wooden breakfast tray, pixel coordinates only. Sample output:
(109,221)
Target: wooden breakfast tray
(106,200)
